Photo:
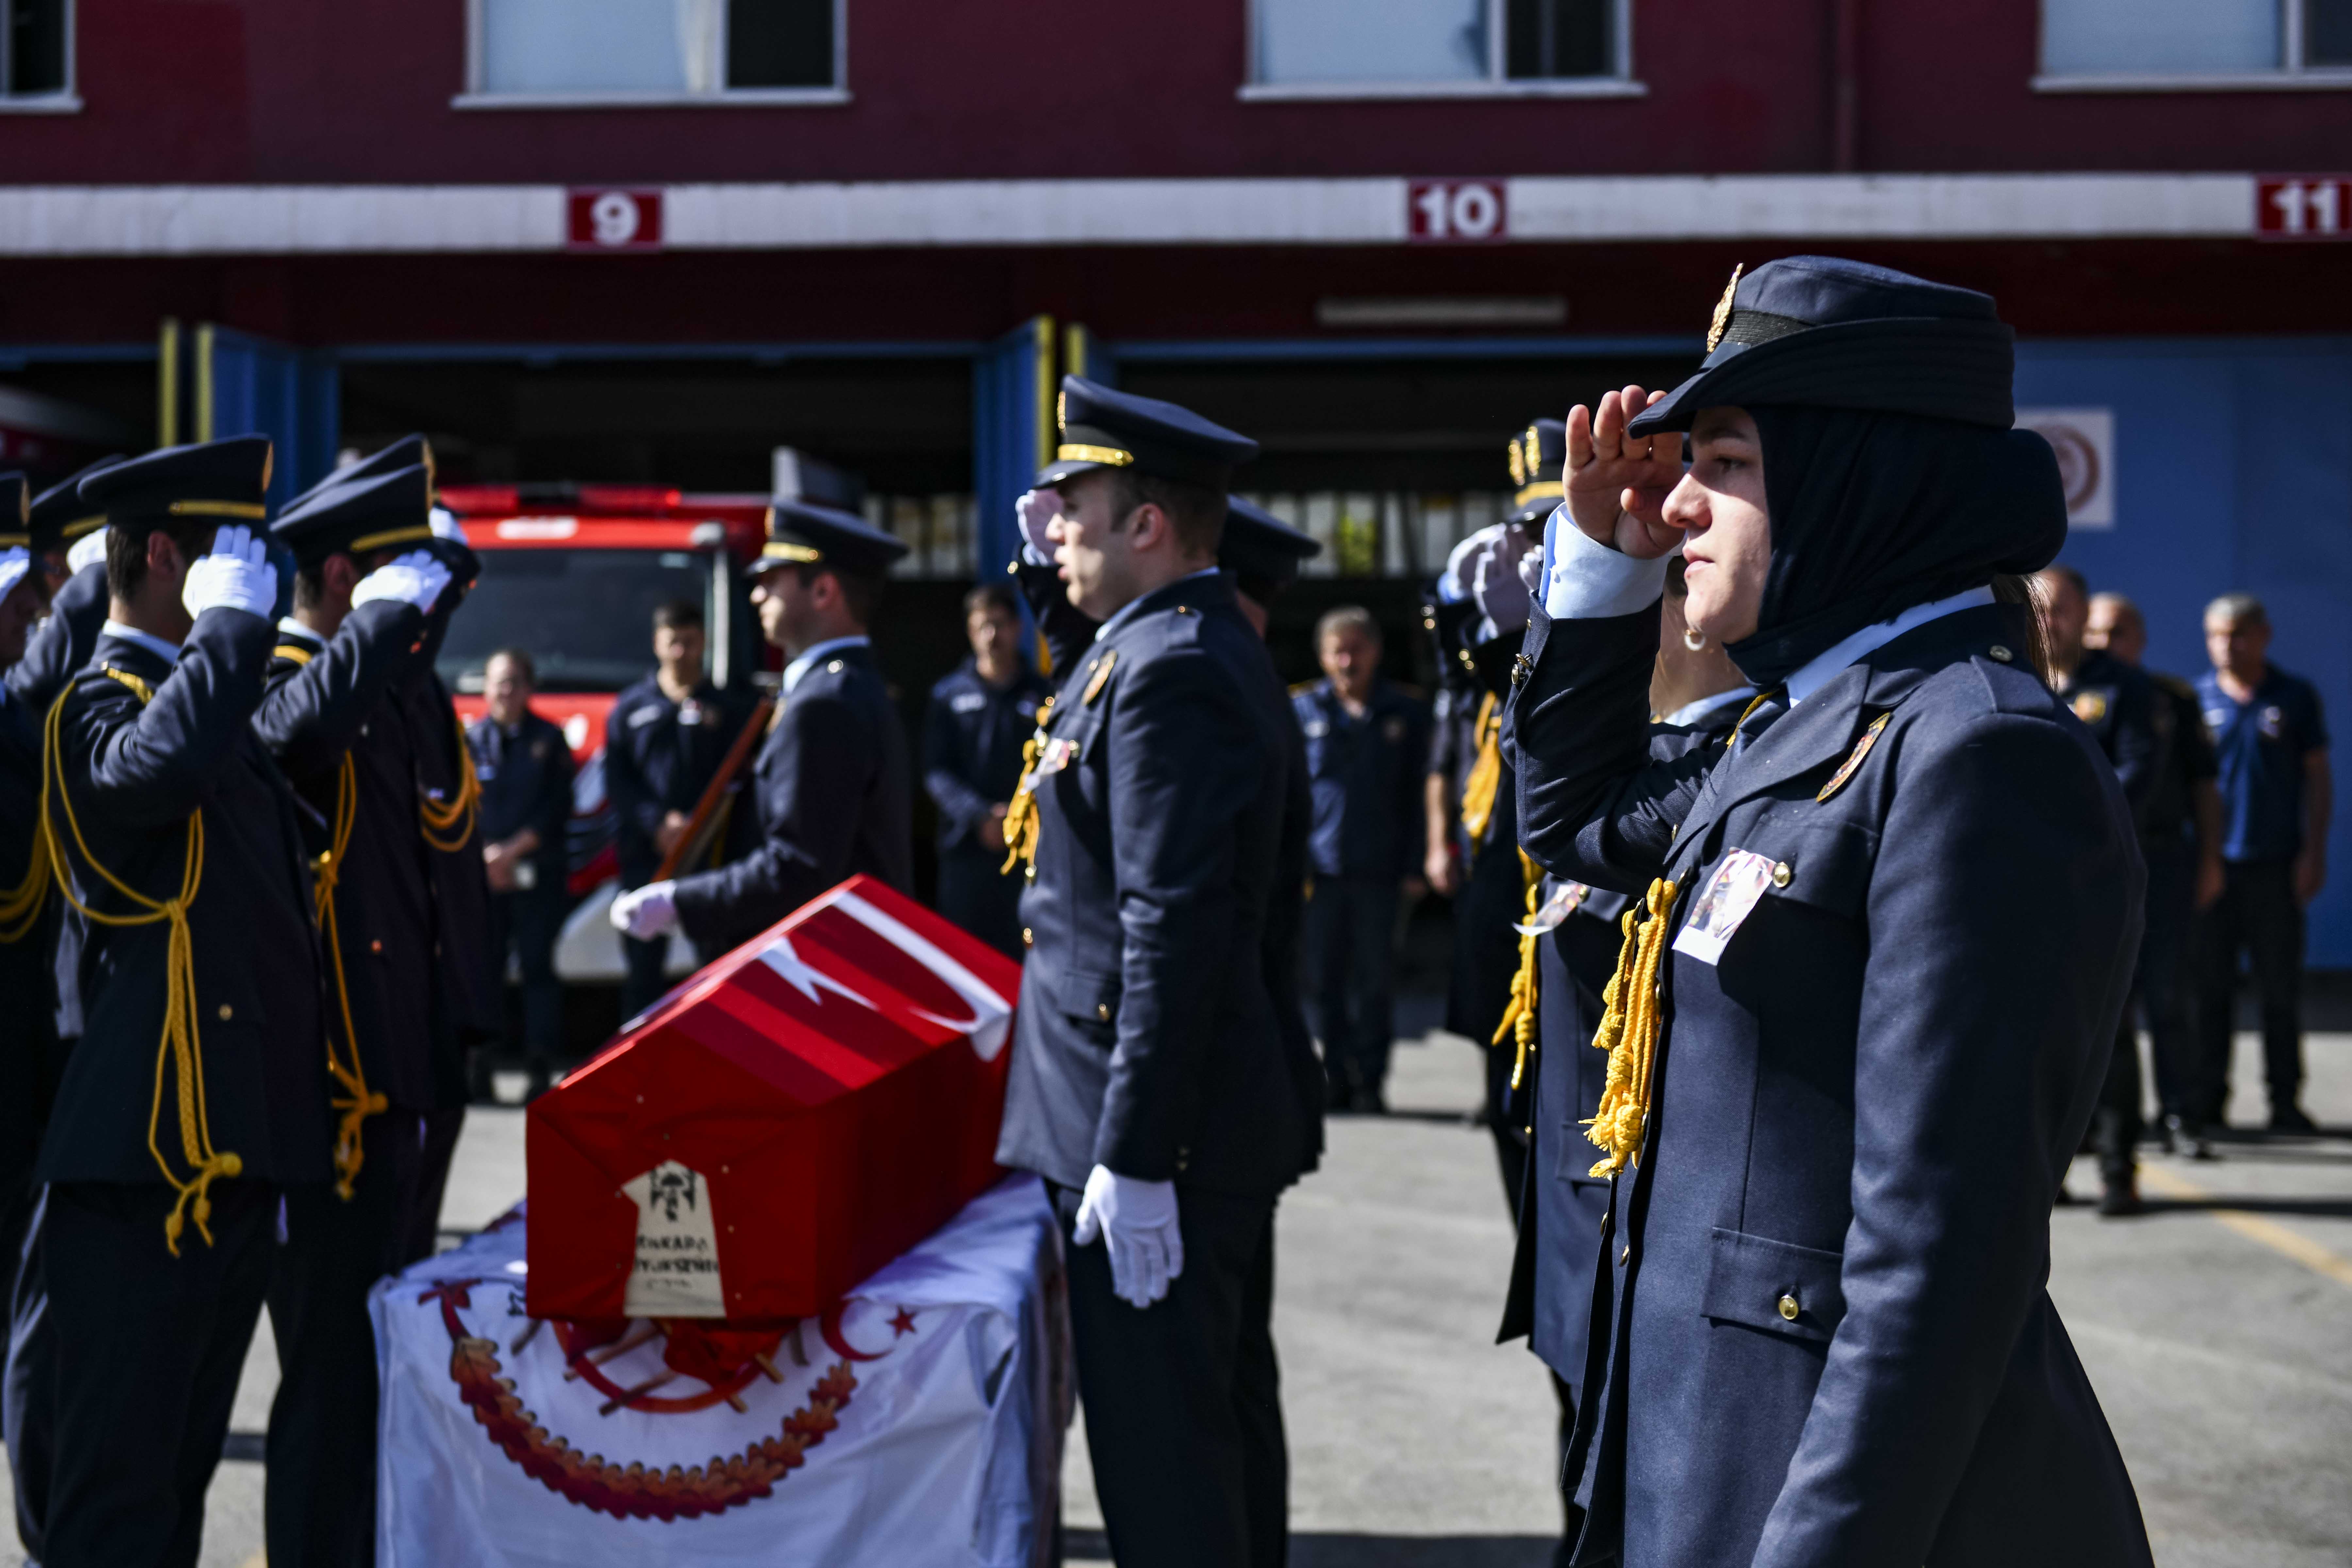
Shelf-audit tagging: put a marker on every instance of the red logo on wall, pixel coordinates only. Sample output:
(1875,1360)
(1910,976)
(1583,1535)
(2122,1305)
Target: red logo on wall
(1455,212)
(2315,207)
(613,218)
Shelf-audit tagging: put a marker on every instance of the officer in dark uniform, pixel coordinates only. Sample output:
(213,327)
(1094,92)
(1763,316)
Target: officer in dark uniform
(1367,753)
(663,741)
(61,645)
(981,714)
(197,1095)
(831,783)
(2120,707)
(1150,1082)
(524,767)
(364,589)
(1844,1080)
(2180,840)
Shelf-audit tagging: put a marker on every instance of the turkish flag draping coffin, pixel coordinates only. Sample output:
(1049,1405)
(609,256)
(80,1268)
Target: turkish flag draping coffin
(799,1113)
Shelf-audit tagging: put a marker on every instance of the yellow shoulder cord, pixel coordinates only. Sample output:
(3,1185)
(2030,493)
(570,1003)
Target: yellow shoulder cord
(292,652)
(1629,1032)
(1519,1019)
(356,1103)
(448,827)
(181,1050)
(21,906)
(1021,816)
(1486,774)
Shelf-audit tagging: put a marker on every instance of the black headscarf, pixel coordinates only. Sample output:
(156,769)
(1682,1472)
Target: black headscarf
(1873,513)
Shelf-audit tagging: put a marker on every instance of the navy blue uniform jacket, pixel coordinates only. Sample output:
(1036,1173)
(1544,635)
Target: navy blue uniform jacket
(1819,1331)
(1147,1040)
(326,702)
(60,646)
(1366,776)
(655,763)
(28,982)
(973,736)
(833,798)
(526,782)
(136,771)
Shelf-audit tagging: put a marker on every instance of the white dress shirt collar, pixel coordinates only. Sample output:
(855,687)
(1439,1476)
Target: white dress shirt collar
(169,652)
(1818,671)
(1691,712)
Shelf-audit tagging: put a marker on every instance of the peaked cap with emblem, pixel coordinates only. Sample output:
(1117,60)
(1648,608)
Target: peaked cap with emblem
(1261,550)
(407,452)
(1106,429)
(15,511)
(216,481)
(1537,455)
(801,533)
(1827,334)
(59,515)
(358,516)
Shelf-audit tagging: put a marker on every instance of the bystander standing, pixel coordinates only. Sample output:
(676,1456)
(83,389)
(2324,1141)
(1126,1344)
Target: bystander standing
(981,713)
(2276,795)
(525,769)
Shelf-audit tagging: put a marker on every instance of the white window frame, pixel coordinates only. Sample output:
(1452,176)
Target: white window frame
(1619,84)
(2290,76)
(65,100)
(475,96)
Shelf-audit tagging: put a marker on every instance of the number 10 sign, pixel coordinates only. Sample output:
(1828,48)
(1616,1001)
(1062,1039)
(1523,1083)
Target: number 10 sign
(1455,212)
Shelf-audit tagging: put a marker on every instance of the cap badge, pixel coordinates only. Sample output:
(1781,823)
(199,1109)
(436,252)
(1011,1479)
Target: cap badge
(1518,464)
(1716,328)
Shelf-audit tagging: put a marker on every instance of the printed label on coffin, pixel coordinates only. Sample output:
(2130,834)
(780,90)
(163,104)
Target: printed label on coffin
(677,1270)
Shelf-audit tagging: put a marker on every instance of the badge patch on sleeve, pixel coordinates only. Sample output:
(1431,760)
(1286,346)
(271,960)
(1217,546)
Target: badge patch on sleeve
(1731,893)
(1854,758)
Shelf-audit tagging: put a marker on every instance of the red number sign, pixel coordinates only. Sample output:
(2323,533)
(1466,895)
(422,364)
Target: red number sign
(2314,208)
(1455,212)
(604,218)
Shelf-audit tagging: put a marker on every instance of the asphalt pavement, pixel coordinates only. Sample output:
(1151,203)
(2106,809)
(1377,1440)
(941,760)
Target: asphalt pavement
(2217,1329)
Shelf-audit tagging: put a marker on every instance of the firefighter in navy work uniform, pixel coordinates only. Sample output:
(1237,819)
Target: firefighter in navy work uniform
(365,588)
(197,1095)
(1150,1082)
(525,769)
(1843,1079)
(980,715)
(832,781)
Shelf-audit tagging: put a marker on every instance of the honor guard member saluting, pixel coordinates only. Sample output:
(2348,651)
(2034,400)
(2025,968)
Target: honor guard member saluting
(1843,1078)
(364,590)
(27,992)
(1150,1081)
(197,1095)
(832,781)
(61,645)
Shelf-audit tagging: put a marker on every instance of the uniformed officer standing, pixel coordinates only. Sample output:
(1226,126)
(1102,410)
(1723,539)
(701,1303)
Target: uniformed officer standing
(1842,1088)
(364,589)
(1367,753)
(524,766)
(831,783)
(981,714)
(61,645)
(198,1094)
(2180,840)
(27,992)
(665,739)
(2120,707)
(1150,1081)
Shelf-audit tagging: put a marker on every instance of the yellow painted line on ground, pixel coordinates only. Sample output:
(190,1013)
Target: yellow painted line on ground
(2253,1226)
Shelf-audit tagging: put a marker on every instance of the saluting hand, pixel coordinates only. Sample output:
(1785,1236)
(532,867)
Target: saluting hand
(1617,484)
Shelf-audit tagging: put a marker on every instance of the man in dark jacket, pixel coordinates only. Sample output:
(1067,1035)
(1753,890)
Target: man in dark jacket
(525,770)
(1151,1083)
(364,591)
(981,714)
(831,782)
(1843,1079)
(197,1095)
(664,742)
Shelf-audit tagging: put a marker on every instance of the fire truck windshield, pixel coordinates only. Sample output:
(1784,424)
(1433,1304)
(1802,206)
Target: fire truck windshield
(585,616)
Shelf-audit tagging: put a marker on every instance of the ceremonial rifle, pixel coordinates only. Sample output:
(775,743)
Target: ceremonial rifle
(704,823)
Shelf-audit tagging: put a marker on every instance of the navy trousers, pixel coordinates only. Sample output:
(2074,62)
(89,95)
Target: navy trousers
(2257,915)
(1350,930)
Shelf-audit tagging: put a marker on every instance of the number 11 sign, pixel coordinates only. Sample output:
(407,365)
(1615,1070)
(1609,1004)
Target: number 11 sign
(2315,207)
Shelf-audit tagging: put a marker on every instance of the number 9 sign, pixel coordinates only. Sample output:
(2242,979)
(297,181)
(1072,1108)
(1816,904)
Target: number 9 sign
(608,218)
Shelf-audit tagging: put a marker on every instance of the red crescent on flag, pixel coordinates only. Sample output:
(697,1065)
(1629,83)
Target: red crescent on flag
(829,1325)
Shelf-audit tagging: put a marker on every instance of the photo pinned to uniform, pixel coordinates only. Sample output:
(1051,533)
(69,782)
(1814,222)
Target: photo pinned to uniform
(1058,753)
(1731,894)
(1562,903)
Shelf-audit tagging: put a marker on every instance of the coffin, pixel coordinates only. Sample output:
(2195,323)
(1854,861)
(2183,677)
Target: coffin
(787,1121)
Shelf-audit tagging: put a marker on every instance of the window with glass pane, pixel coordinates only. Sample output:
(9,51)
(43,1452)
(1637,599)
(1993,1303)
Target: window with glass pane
(687,47)
(1400,42)
(33,48)
(2193,38)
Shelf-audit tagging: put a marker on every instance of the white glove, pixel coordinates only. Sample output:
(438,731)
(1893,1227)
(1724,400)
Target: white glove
(445,525)
(1461,574)
(646,912)
(1501,591)
(1137,1220)
(415,577)
(14,562)
(236,575)
(90,550)
(1035,510)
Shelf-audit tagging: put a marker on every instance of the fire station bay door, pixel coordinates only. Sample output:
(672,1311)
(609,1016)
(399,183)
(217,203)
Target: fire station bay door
(218,381)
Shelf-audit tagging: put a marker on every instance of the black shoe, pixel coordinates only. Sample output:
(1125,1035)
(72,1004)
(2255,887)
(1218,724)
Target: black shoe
(2291,1119)
(2120,1199)
(1369,1101)
(2185,1142)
